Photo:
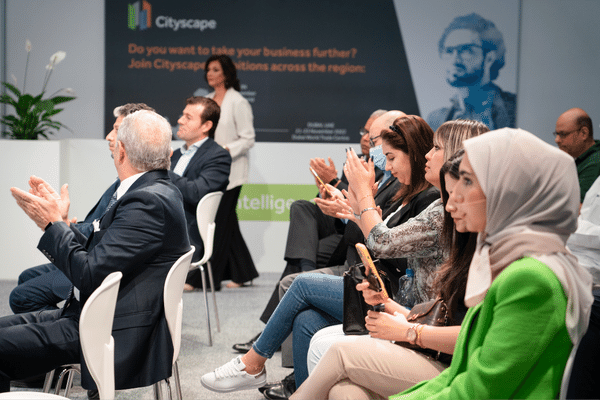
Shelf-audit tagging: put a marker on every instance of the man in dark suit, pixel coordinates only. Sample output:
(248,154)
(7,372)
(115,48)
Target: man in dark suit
(200,167)
(142,234)
(44,286)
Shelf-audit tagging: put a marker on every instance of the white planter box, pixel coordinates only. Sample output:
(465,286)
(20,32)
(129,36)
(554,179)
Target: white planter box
(19,159)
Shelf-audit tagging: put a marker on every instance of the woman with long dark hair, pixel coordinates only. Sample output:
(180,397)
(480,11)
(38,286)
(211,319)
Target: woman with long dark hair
(361,367)
(314,301)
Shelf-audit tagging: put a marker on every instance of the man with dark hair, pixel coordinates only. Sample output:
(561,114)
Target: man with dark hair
(473,50)
(44,286)
(574,135)
(200,166)
(142,234)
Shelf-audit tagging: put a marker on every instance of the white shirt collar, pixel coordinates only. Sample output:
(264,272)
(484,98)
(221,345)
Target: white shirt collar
(197,145)
(126,184)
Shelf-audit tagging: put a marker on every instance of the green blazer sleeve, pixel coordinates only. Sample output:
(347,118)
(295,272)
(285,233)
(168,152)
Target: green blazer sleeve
(512,345)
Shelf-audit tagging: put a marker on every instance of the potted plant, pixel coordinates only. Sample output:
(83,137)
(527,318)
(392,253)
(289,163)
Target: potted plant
(33,114)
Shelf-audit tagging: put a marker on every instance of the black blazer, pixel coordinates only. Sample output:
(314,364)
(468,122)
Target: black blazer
(142,235)
(208,171)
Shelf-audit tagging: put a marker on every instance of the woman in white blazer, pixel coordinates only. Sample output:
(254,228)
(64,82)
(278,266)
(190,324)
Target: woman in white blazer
(235,132)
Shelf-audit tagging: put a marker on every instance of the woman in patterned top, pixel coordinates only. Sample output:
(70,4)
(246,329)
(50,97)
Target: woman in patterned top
(315,301)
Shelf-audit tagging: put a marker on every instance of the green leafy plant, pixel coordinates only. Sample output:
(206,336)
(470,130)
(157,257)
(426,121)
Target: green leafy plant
(33,114)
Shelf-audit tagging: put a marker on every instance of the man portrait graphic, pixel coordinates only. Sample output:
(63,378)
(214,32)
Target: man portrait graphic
(473,51)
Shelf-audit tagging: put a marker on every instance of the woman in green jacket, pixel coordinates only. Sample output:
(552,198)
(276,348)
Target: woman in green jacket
(529,299)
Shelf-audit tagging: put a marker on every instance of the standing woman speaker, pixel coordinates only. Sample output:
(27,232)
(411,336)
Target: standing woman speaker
(231,258)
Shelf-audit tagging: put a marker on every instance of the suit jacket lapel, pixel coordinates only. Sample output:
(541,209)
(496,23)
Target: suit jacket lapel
(174,158)
(198,155)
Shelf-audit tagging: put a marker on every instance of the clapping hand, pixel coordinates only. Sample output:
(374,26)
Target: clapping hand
(326,172)
(42,204)
(334,204)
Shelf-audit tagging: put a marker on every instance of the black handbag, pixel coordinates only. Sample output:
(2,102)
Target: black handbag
(355,307)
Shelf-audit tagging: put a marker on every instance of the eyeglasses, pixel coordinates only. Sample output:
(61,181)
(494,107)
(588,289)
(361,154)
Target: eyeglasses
(363,132)
(563,135)
(372,140)
(465,51)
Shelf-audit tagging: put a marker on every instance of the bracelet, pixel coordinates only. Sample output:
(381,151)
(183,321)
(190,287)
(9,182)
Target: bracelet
(419,331)
(365,210)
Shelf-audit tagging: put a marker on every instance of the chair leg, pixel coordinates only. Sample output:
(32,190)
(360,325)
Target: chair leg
(168,382)
(210,343)
(157,390)
(70,377)
(67,370)
(177,382)
(48,382)
(212,288)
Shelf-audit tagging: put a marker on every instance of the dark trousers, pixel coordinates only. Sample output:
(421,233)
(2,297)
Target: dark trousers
(312,235)
(231,258)
(585,376)
(39,288)
(35,343)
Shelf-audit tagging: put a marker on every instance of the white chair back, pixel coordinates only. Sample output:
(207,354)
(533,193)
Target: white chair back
(95,327)
(97,343)
(173,301)
(205,215)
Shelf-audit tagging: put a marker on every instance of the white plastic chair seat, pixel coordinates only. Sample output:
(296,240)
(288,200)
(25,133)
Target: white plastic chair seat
(30,395)
(97,343)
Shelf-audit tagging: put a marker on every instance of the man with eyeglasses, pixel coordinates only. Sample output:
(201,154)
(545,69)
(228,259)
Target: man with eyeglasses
(473,50)
(574,135)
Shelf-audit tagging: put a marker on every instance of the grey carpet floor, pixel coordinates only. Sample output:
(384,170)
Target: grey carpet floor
(239,310)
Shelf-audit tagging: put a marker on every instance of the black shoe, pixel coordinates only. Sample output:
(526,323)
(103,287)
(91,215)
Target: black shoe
(262,389)
(245,347)
(282,390)
(93,394)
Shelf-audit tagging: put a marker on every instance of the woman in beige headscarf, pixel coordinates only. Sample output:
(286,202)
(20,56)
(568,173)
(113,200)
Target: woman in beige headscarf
(529,299)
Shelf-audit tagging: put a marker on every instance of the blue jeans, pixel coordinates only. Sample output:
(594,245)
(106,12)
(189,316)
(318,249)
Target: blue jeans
(313,302)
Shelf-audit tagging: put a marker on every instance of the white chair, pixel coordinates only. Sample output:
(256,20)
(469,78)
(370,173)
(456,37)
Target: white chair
(97,343)
(173,305)
(205,215)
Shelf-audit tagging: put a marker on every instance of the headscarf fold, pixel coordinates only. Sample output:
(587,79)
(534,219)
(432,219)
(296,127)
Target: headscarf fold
(532,203)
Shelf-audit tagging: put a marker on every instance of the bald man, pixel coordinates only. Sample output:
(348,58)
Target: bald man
(574,135)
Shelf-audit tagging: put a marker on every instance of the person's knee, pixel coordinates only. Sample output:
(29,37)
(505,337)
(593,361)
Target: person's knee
(347,390)
(17,300)
(25,276)
(285,284)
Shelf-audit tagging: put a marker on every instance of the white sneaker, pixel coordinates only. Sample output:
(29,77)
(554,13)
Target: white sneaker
(231,377)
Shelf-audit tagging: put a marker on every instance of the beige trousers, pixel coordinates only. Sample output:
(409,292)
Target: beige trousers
(360,367)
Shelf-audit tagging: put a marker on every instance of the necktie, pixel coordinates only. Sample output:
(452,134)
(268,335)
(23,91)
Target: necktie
(112,201)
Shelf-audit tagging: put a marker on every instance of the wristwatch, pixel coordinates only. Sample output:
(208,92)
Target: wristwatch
(334,181)
(411,334)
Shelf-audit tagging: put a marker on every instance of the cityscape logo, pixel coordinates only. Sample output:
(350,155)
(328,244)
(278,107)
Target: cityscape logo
(139,18)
